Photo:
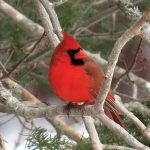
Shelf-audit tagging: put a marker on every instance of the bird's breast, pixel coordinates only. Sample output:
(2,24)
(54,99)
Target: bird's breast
(71,83)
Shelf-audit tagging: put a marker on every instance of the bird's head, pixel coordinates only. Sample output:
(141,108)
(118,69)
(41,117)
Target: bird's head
(69,43)
(69,52)
(70,47)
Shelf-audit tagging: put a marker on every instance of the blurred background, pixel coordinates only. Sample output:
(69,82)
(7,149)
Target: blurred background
(96,24)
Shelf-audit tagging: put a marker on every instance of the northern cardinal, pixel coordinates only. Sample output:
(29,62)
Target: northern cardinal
(76,78)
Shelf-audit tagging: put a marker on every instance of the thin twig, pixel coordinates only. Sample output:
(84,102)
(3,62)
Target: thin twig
(53,17)
(33,29)
(10,56)
(23,123)
(134,119)
(11,118)
(47,24)
(89,124)
(129,8)
(50,111)
(116,147)
(2,143)
(55,121)
(130,68)
(113,58)
(22,60)
(3,68)
(101,36)
(96,19)
(132,98)
(60,2)
(137,106)
(18,140)
(63,128)
(107,13)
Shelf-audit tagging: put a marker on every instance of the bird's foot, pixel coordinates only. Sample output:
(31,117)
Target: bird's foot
(76,106)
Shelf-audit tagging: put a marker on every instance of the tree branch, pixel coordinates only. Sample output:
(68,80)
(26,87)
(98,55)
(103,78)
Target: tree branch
(47,24)
(113,58)
(134,119)
(116,147)
(15,106)
(64,128)
(130,68)
(100,60)
(53,17)
(129,8)
(121,132)
(2,144)
(59,125)
(50,111)
(88,121)
(132,106)
(23,22)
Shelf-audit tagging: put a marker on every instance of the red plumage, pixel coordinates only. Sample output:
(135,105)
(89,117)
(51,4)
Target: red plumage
(76,78)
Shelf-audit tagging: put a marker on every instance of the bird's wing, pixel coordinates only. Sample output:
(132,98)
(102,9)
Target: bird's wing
(94,71)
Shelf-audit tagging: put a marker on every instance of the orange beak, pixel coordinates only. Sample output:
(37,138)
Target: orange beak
(81,54)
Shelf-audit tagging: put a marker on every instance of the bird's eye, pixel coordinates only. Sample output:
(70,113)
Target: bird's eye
(70,52)
(77,50)
(74,60)
(73,51)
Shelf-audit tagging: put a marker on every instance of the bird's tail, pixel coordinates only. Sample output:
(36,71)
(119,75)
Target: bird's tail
(112,113)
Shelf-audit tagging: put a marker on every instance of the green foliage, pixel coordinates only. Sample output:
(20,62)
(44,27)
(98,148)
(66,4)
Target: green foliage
(143,5)
(72,15)
(78,11)
(41,140)
(95,45)
(84,145)
(9,30)
(107,136)
(131,127)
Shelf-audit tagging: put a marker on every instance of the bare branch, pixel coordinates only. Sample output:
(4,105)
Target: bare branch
(95,19)
(121,132)
(3,68)
(124,5)
(130,68)
(47,24)
(134,13)
(60,2)
(132,98)
(118,71)
(53,17)
(88,121)
(2,143)
(59,125)
(134,119)
(129,8)
(101,36)
(113,58)
(18,140)
(23,22)
(26,111)
(116,147)
(98,2)
(132,106)
(50,111)
(64,128)
(22,60)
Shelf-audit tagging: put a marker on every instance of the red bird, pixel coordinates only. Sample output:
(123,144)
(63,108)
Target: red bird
(76,78)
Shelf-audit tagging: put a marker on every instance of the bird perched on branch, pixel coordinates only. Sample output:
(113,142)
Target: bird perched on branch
(76,78)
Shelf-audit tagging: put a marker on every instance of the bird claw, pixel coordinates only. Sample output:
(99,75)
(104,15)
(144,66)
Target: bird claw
(71,106)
